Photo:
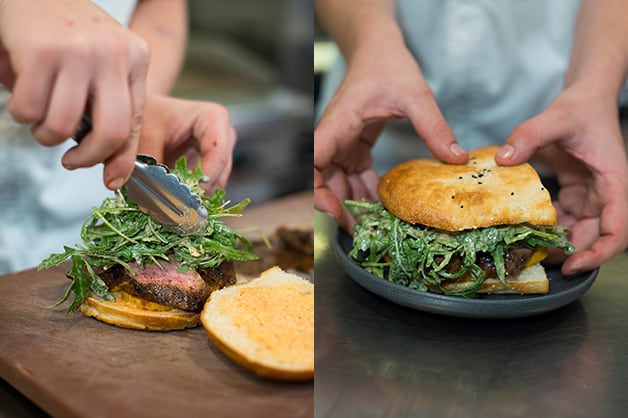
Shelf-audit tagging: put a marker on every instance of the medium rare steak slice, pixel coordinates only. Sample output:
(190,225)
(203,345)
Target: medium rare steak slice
(183,290)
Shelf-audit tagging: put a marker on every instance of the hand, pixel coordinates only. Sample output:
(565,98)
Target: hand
(591,168)
(201,131)
(63,58)
(381,83)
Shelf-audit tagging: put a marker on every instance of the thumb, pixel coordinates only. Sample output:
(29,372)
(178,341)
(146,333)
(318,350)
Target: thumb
(530,136)
(430,124)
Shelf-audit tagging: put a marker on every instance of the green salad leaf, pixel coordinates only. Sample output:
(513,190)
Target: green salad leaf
(416,255)
(117,232)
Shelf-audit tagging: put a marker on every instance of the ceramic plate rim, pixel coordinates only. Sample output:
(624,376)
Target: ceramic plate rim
(486,306)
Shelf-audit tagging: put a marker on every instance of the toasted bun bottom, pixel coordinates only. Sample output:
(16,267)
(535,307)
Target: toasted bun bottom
(266,325)
(126,315)
(531,280)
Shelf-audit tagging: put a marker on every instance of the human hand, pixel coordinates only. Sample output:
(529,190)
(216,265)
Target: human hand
(382,82)
(201,131)
(590,164)
(64,58)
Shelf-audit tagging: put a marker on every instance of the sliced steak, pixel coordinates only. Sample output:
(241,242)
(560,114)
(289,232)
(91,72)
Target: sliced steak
(217,278)
(183,290)
(515,260)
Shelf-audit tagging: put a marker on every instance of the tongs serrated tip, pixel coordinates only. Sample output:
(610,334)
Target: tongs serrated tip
(160,193)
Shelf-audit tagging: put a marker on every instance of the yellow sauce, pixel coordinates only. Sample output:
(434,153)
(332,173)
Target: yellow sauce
(124,297)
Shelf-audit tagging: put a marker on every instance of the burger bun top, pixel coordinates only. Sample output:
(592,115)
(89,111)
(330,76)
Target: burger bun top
(477,194)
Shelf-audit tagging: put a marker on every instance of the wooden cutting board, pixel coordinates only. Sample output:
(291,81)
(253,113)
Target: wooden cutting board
(74,366)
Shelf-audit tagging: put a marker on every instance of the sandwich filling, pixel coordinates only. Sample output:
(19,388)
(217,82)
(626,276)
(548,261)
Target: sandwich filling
(427,258)
(126,255)
(162,287)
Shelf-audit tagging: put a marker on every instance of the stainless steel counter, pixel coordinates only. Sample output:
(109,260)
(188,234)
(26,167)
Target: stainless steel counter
(378,359)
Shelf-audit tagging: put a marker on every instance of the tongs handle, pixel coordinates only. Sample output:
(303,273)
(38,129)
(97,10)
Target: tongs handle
(85,127)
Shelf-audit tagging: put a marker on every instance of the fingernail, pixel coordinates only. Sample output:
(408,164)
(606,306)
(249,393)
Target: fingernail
(506,152)
(67,165)
(115,183)
(456,149)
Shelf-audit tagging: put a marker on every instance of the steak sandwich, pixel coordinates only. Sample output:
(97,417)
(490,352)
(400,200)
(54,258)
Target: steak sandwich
(459,229)
(134,273)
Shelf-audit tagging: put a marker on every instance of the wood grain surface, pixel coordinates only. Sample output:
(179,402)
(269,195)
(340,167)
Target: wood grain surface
(74,366)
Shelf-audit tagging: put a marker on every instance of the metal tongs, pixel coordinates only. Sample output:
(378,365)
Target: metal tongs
(159,193)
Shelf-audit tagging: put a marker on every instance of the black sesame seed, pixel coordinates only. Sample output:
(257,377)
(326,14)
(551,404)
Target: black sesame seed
(460,177)
(512,193)
(479,182)
(461,206)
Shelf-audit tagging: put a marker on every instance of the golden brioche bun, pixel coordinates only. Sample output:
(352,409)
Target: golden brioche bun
(477,194)
(127,315)
(266,325)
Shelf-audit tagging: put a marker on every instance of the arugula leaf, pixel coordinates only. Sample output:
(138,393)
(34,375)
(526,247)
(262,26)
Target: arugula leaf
(416,255)
(117,232)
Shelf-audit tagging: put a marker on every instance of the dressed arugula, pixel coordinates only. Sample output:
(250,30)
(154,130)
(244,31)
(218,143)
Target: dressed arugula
(117,232)
(417,256)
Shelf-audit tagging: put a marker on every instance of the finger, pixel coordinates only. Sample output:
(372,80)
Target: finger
(31,93)
(564,217)
(125,135)
(601,251)
(429,123)
(532,135)
(67,105)
(217,166)
(226,172)
(597,241)
(111,140)
(217,140)
(326,201)
(119,166)
(325,134)
(223,179)
(138,62)
(371,179)
(362,186)
(555,257)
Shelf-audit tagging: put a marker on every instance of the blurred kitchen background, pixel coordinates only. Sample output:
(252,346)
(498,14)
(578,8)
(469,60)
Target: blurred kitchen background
(255,57)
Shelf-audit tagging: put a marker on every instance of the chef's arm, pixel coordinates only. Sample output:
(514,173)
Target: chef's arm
(359,24)
(163,24)
(599,56)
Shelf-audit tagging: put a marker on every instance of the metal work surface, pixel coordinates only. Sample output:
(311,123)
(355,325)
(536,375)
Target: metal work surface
(378,359)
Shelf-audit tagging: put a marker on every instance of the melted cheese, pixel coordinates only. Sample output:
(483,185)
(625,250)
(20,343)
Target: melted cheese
(539,254)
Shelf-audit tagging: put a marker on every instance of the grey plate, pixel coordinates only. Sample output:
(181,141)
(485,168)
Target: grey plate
(562,292)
